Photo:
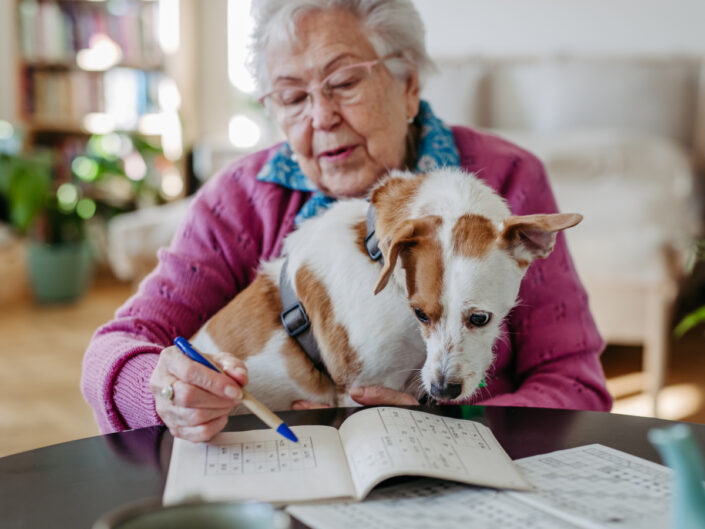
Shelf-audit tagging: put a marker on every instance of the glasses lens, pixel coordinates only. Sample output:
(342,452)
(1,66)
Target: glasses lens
(344,86)
(347,84)
(289,102)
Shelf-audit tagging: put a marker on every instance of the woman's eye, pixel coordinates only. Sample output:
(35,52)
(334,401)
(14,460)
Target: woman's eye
(292,97)
(346,80)
(479,319)
(421,315)
(345,84)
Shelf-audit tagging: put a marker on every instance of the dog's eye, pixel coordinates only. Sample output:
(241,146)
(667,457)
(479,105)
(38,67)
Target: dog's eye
(479,319)
(421,315)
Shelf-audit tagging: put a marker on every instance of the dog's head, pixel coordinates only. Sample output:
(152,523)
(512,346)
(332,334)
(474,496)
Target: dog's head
(451,243)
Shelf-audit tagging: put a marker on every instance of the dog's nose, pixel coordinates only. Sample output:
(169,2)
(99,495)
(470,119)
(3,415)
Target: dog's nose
(445,391)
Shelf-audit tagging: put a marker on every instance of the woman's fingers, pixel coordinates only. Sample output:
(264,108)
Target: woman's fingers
(200,400)
(308,405)
(193,416)
(188,396)
(200,433)
(205,378)
(233,366)
(373,395)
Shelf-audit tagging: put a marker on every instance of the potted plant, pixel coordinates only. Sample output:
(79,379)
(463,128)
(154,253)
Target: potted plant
(61,198)
(697,316)
(59,255)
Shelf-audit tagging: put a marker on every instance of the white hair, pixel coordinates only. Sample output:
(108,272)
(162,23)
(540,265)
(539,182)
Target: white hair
(390,25)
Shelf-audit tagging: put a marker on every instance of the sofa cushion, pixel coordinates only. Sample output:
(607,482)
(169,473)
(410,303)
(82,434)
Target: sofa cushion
(634,190)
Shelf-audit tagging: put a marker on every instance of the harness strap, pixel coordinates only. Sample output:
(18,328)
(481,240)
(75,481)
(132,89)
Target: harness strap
(294,317)
(296,322)
(371,241)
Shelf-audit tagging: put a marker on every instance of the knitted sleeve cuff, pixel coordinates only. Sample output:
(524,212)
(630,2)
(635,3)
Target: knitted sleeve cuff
(131,395)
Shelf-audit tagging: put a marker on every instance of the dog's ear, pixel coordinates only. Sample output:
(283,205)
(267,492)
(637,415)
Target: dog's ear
(405,235)
(531,237)
(399,239)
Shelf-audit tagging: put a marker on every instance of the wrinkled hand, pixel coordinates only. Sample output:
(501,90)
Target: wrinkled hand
(367,396)
(202,398)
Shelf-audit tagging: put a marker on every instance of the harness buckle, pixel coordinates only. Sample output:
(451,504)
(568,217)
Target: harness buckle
(295,320)
(372,246)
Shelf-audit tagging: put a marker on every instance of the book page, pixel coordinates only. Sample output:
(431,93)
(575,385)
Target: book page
(600,487)
(589,487)
(425,503)
(384,442)
(260,465)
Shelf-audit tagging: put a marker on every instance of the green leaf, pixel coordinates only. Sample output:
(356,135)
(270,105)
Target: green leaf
(688,322)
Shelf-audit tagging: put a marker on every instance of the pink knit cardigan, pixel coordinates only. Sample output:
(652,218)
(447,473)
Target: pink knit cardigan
(549,356)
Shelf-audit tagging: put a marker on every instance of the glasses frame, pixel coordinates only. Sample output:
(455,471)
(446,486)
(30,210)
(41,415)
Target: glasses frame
(322,85)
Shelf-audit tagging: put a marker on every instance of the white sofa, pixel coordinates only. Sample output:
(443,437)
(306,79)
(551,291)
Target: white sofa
(622,140)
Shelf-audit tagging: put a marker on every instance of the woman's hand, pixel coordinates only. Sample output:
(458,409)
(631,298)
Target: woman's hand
(201,398)
(367,396)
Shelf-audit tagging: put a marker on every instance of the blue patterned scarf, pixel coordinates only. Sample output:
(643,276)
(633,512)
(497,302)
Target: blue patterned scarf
(436,149)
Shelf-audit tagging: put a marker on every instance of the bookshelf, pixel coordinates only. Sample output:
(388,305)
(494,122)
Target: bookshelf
(79,58)
(99,67)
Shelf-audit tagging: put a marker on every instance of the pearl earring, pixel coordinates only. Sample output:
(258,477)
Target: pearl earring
(411,119)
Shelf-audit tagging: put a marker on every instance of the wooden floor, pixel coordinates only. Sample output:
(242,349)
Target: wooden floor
(42,349)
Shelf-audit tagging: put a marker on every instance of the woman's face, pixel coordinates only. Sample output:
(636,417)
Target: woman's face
(343,148)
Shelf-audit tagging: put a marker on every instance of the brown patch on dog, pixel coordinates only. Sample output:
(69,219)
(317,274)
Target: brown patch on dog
(473,236)
(360,230)
(244,326)
(246,323)
(422,260)
(303,372)
(391,201)
(341,359)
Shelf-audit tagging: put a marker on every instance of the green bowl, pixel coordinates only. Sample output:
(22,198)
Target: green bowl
(152,514)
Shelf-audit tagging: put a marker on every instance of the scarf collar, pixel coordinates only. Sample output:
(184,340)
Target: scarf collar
(436,148)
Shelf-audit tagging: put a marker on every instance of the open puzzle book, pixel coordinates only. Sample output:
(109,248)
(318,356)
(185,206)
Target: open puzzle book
(588,487)
(372,445)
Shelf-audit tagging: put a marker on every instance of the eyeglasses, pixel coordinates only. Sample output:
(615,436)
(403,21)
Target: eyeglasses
(344,86)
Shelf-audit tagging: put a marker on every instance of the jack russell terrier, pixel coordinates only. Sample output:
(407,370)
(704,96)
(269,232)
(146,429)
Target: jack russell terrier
(426,320)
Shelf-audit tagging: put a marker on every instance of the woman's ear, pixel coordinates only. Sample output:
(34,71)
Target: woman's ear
(412,94)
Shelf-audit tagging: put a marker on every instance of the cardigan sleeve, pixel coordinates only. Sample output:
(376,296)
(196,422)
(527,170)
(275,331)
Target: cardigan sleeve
(214,254)
(553,353)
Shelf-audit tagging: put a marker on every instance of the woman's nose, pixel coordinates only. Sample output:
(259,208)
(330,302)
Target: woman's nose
(324,111)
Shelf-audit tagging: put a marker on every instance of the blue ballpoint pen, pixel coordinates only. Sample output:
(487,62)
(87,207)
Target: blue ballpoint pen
(255,406)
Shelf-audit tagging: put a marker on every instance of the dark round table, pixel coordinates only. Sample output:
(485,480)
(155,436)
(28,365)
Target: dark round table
(70,485)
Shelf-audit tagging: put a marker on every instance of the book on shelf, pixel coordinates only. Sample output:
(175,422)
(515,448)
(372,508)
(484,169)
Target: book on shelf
(56,96)
(54,31)
(371,445)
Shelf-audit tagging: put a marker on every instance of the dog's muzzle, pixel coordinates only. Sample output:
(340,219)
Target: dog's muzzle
(445,391)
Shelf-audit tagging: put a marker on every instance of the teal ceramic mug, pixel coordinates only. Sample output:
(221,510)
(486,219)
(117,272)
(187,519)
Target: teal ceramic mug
(151,514)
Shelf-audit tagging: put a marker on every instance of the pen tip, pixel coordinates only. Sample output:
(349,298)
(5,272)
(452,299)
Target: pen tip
(286,432)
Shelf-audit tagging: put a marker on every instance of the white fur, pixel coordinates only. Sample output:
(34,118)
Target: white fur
(375,324)
(489,283)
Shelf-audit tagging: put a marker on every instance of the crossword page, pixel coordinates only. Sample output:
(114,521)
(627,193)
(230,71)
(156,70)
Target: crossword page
(588,487)
(260,457)
(383,442)
(422,440)
(605,486)
(260,465)
(426,503)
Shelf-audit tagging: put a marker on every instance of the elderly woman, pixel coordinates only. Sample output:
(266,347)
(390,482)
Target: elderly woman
(342,79)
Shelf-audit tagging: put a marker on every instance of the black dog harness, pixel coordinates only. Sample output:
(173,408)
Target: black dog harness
(294,318)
